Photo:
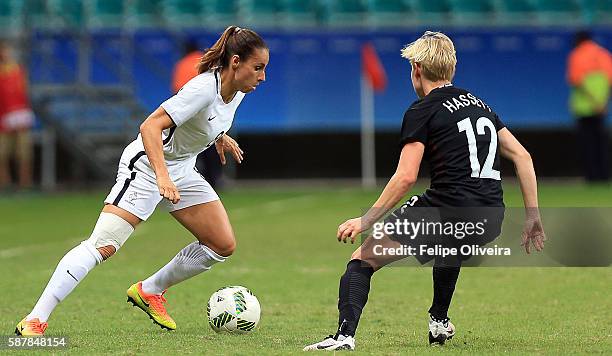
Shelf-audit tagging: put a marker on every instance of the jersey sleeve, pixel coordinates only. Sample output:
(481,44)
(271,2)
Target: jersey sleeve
(498,123)
(415,124)
(196,95)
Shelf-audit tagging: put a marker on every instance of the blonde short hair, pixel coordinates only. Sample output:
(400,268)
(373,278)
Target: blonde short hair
(436,54)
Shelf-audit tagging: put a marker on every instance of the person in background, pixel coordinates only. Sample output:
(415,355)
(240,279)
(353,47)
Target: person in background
(184,70)
(589,73)
(16,120)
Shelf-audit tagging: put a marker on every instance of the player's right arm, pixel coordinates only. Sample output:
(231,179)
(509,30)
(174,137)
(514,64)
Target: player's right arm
(151,133)
(197,94)
(400,183)
(511,148)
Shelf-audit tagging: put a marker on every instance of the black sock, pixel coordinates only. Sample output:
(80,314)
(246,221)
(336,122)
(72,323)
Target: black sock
(353,295)
(444,280)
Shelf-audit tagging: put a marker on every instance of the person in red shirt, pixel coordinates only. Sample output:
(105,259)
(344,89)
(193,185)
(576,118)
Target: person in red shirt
(184,70)
(16,120)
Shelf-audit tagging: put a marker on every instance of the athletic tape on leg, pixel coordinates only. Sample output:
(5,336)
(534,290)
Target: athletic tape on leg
(110,230)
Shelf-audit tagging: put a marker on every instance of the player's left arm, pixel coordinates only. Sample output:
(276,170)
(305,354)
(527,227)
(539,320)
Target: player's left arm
(226,143)
(511,148)
(401,182)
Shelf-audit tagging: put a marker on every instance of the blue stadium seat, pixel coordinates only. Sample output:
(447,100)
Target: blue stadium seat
(515,12)
(261,12)
(346,12)
(183,13)
(432,11)
(390,13)
(471,12)
(556,6)
(558,12)
(11,16)
(597,11)
(300,12)
(105,13)
(143,13)
(36,14)
(220,13)
(604,13)
(67,13)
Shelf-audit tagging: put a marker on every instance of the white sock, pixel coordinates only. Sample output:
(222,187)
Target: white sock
(192,260)
(70,270)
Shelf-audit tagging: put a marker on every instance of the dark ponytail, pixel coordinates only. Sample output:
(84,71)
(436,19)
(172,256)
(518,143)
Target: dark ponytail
(234,40)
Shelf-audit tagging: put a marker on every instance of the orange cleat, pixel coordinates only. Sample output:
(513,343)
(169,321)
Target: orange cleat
(31,327)
(152,304)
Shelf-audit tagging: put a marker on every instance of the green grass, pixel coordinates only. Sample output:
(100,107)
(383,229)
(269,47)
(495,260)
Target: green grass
(288,255)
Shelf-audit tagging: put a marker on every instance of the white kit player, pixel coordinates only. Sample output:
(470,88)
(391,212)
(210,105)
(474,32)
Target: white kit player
(160,164)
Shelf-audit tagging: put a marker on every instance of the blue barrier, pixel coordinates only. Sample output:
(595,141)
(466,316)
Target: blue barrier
(313,77)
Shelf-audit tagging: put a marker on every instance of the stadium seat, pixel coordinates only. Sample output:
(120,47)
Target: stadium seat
(220,13)
(515,12)
(183,13)
(471,12)
(36,14)
(604,13)
(11,20)
(432,11)
(390,13)
(597,11)
(346,12)
(300,12)
(557,12)
(261,12)
(143,13)
(105,13)
(67,13)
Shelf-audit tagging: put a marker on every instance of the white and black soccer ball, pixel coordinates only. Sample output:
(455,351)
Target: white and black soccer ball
(233,309)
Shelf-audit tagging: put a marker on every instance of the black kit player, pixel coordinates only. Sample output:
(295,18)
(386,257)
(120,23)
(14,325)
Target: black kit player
(461,138)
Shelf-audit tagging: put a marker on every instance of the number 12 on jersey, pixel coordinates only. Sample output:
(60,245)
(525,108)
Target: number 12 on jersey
(487,171)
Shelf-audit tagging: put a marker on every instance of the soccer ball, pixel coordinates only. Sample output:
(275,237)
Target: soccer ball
(233,309)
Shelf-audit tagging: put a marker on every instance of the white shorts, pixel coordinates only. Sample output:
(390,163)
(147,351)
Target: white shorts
(136,189)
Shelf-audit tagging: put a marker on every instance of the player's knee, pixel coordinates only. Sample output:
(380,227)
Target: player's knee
(109,234)
(229,248)
(225,248)
(222,244)
(367,260)
(358,266)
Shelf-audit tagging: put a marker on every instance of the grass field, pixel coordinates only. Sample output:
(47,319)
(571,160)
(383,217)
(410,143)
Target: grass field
(288,255)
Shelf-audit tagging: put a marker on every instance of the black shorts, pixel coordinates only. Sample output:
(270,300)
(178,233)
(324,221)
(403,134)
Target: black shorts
(446,234)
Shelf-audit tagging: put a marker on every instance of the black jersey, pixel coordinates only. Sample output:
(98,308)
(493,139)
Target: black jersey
(459,132)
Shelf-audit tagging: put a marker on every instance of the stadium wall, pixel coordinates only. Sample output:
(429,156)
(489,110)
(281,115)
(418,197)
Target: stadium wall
(310,103)
(313,77)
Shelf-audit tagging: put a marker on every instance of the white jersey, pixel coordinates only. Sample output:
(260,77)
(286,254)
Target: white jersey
(200,117)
